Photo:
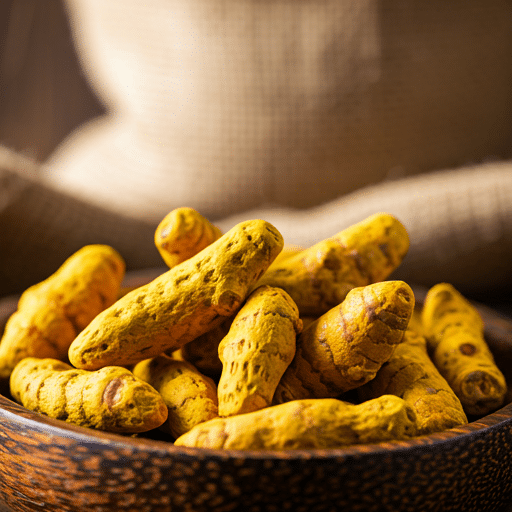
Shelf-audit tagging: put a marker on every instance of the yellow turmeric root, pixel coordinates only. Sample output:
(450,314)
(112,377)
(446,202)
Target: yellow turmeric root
(181,304)
(455,333)
(190,397)
(51,314)
(346,346)
(183,233)
(411,375)
(257,350)
(307,424)
(110,399)
(319,278)
(203,352)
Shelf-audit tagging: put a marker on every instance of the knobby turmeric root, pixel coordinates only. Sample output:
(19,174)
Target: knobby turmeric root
(50,314)
(307,424)
(455,333)
(319,278)
(110,399)
(178,306)
(257,350)
(190,397)
(411,375)
(346,346)
(183,233)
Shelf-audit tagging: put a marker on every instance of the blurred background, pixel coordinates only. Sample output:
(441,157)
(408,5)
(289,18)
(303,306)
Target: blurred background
(43,92)
(312,114)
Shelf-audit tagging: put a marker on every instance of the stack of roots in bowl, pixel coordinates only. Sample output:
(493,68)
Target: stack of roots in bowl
(249,343)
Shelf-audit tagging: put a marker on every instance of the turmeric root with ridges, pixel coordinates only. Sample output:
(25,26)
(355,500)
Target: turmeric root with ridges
(110,399)
(346,346)
(455,333)
(50,314)
(183,233)
(319,278)
(183,303)
(307,424)
(190,397)
(257,350)
(411,375)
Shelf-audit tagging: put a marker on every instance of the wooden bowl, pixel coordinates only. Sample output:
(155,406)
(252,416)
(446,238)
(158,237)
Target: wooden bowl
(49,465)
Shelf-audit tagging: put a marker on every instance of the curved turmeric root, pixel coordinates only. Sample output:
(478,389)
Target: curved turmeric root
(190,397)
(257,350)
(183,233)
(111,399)
(346,346)
(51,314)
(181,304)
(307,424)
(319,278)
(455,333)
(411,375)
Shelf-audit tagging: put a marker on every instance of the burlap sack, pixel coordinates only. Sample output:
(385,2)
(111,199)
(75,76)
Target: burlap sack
(310,113)
(40,227)
(225,105)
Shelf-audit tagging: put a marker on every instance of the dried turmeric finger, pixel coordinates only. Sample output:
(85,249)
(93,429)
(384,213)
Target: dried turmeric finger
(203,352)
(455,333)
(50,314)
(346,346)
(110,399)
(190,397)
(257,350)
(411,375)
(183,233)
(181,304)
(307,424)
(319,278)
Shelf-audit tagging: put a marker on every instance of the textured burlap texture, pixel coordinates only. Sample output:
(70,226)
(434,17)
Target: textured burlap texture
(459,222)
(40,227)
(311,114)
(230,104)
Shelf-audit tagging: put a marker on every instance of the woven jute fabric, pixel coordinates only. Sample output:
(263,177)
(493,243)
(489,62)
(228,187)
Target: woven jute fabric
(459,223)
(40,227)
(226,105)
(312,114)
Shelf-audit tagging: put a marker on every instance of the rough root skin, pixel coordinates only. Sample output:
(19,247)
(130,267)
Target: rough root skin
(190,397)
(455,333)
(183,233)
(257,350)
(345,347)
(307,424)
(318,278)
(110,399)
(51,314)
(181,304)
(411,375)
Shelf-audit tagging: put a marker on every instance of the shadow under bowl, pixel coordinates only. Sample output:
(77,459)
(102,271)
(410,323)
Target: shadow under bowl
(49,465)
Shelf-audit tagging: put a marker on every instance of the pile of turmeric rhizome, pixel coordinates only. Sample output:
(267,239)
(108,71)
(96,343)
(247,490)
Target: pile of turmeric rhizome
(246,343)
